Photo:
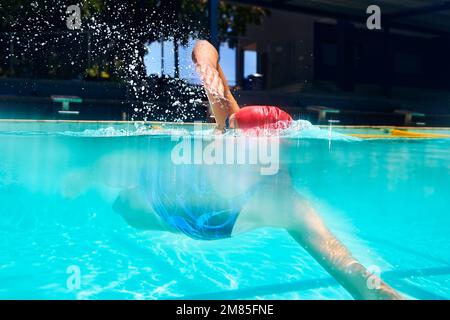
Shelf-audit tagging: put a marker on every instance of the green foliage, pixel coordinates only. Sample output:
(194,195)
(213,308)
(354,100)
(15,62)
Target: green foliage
(235,19)
(115,30)
(178,18)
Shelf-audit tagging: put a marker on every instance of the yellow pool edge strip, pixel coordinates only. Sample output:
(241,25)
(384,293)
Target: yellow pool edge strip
(395,134)
(408,134)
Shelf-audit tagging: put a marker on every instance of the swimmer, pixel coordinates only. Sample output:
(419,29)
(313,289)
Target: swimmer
(222,101)
(216,202)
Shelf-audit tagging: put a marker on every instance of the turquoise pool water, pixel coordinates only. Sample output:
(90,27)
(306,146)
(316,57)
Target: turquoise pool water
(387,200)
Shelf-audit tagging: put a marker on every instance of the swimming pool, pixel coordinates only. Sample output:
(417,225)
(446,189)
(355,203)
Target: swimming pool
(386,200)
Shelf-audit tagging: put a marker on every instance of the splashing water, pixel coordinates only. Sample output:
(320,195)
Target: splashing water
(110,44)
(300,129)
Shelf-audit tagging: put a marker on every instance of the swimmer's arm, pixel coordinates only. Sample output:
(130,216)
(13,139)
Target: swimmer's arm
(206,60)
(311,233)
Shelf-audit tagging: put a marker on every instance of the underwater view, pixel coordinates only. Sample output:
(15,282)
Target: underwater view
(62,186)
(220,158)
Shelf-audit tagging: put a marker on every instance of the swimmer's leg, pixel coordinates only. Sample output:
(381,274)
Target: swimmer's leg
(136,211)
(221,100)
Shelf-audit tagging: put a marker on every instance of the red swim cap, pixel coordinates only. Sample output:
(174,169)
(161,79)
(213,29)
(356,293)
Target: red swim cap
(262,117)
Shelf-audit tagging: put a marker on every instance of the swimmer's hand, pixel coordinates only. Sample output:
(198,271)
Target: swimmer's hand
(206,60)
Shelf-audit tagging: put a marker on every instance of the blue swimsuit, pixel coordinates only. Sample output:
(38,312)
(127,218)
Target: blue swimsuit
(184,200)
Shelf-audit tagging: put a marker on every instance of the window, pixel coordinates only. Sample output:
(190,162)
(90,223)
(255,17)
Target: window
(159,62)
(250,62)
(228,63)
